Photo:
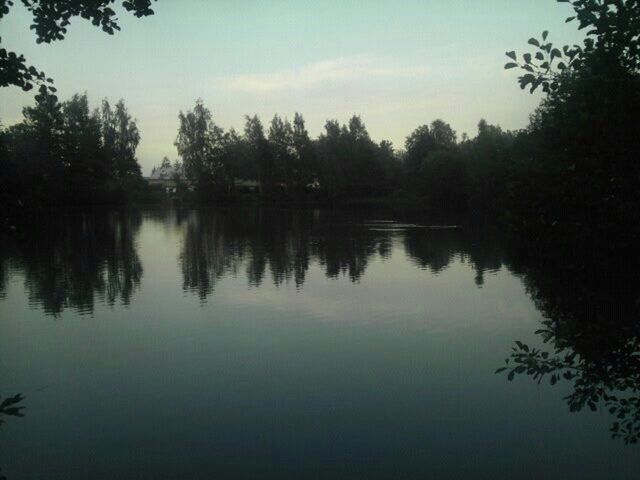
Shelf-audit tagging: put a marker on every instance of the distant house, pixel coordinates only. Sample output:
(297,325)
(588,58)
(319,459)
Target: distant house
(246,185)
(167,176)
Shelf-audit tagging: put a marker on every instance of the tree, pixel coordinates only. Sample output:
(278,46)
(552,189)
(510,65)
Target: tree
(487,160)
(282,151)
(259,152)
(304,164)
(364,172)
(237,158)
(390,165)
(86,167)
(425,140)
(433,166)
(580,175)
(50,22)
(120,138)
(65,153)
(200,144)
(417,146)
(443,135)
(40,157)
(612,40)
(331,159)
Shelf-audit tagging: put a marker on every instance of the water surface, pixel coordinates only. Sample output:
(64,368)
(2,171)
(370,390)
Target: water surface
(266,343)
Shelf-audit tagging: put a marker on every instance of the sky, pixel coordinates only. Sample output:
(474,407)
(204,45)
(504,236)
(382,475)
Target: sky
(399,64)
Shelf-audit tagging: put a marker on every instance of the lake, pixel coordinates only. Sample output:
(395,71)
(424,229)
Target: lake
(274,343)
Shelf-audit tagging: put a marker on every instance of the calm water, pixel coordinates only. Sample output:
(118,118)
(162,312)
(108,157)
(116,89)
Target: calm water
(247,343)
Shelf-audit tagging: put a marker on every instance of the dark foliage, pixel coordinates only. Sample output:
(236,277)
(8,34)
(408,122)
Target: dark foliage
(574,202)
(65,154)
(87,259)
(10,407)
(50,21)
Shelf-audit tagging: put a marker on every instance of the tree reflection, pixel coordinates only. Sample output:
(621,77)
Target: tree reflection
(221,242)
(436,248)
(591,326)
(283,244)
(10,407)
(74,260)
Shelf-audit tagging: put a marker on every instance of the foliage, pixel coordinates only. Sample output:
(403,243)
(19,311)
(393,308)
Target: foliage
(576,172)
(573,200)
(88,258)
(591,329)
(64,153)
(344,162)
(200,143)
(426,140)
(612,32)
(615,386)
(350,164)
(50,22)
(9,407)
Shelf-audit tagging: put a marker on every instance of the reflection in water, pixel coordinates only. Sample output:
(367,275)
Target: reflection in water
(76,259)
(592,326)
(10,407)
(92,257)
(436,249)
(285,243)
(415,382)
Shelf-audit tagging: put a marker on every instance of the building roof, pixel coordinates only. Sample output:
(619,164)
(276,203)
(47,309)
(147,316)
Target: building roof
(165,172)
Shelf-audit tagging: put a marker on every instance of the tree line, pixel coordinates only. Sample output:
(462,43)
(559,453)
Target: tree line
(92,258)
(434,170)
(64,153)
(342,162)
(573,170)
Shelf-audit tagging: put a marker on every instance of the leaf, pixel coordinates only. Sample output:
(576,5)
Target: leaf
(511,55)
(14,411)
(545,34)
(533,41)
(510,65)
(11,401)
(512,374)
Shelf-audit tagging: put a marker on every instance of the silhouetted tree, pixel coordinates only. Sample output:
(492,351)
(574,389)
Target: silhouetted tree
(120,138)
(590,331)
(260,153)
(304,168)
(50,22)
(282,151)
(62,153)
(200,143)
(577,175)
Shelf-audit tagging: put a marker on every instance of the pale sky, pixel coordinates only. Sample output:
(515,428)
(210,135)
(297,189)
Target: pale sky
(398,64)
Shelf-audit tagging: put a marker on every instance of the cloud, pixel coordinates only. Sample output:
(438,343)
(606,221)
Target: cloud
(308,77)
